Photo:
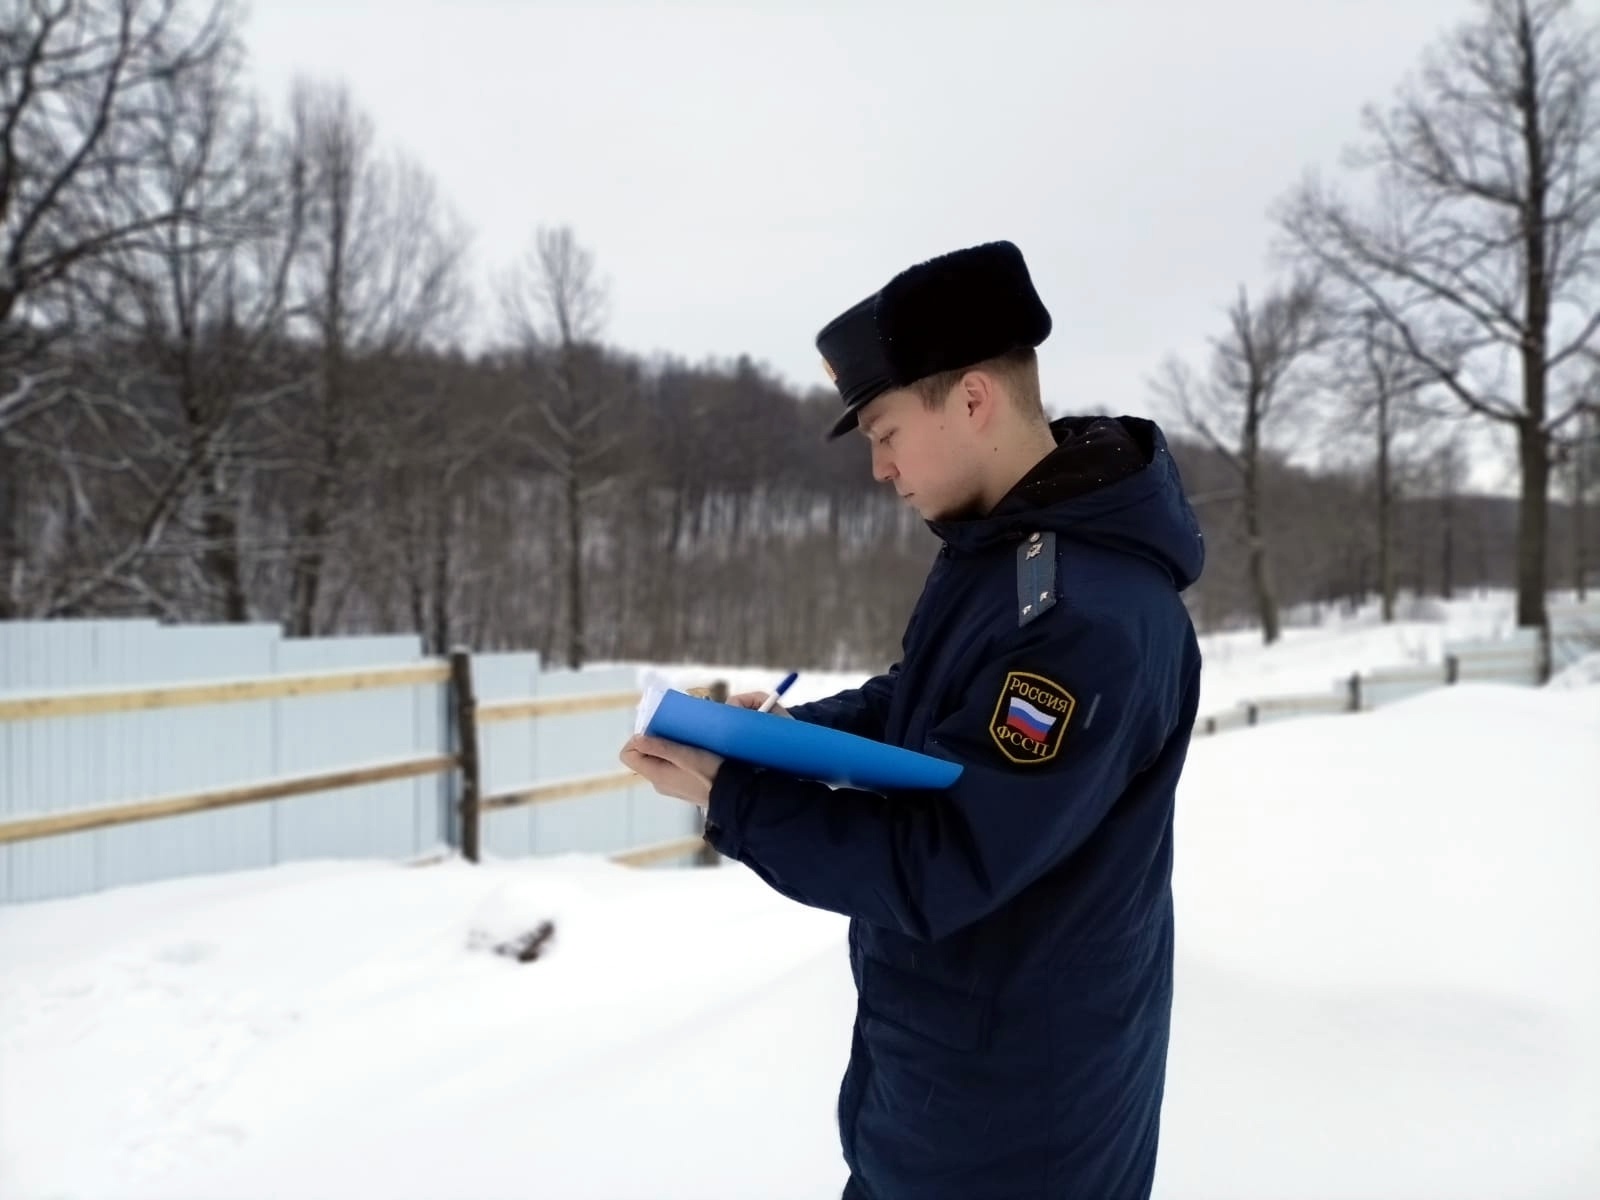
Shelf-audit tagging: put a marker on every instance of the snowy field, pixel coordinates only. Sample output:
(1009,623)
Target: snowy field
(1388,987)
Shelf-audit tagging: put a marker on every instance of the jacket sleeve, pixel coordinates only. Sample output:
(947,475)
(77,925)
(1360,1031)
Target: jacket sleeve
(927,863)
(863,711)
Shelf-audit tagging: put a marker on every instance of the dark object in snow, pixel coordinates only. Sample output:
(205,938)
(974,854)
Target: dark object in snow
(528,946)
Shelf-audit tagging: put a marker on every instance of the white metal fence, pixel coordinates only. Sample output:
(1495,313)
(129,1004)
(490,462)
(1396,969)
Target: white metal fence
(67,763)
(77,760)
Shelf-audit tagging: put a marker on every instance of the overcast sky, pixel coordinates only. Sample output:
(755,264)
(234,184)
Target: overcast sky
(744,172)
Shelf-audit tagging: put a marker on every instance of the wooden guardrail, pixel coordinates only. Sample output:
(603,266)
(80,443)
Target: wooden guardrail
(1354,694)
(467,716)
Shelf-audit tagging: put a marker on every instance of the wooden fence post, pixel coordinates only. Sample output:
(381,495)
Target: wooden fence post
(1355,691)
(1252,713)
(465,707)
(706,855)
(1452,669)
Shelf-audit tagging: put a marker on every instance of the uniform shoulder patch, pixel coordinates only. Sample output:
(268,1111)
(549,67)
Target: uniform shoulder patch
(1030,718)
(1036,577)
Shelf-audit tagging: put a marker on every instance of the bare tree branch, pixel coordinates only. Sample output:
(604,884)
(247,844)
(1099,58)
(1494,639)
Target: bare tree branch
(71,136)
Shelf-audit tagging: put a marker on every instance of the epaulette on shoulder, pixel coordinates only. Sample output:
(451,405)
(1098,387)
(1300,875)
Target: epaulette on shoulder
(1036,576)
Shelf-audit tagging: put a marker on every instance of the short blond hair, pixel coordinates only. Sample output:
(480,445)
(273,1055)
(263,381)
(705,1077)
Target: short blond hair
(1018,370)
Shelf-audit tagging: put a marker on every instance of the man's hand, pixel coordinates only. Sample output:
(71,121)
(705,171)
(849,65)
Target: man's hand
(673,769)
(756,700)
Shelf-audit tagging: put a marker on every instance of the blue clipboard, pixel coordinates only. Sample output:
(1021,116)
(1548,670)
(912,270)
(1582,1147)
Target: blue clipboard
(796,747)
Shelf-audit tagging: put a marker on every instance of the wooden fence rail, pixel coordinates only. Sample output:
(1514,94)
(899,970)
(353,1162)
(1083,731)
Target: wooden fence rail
(85,702)
(465,760)
(21,829)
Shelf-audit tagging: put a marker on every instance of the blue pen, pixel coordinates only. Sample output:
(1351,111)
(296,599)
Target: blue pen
(788,681)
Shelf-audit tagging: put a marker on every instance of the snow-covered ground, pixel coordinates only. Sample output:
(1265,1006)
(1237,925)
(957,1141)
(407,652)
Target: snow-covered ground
(1583,673)
(1389,987)
(1390,938)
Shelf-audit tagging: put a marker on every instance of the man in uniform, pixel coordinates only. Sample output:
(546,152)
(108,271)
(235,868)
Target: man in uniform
(1011,936)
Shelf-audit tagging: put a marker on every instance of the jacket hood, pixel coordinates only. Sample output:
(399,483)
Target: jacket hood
(1110,482)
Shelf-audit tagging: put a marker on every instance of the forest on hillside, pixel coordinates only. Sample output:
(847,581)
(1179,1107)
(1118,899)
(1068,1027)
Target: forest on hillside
(233,382)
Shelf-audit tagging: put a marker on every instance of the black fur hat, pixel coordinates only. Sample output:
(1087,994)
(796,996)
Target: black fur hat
(949,312)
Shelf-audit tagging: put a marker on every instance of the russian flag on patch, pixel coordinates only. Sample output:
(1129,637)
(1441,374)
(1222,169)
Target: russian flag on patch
(1028,720)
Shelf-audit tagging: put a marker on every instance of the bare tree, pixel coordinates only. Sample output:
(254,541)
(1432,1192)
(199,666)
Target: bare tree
(1579,454)
(381,276)
(1248,384)
(75,136)
(204,301)
(1481,252)
(1374,386)
(555,306)
(1440,475)
(336,142)
(435,464)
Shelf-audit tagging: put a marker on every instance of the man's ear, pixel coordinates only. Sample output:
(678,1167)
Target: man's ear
(978,397)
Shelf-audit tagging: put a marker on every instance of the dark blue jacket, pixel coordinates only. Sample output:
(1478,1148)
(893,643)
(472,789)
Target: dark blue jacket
(1012,936)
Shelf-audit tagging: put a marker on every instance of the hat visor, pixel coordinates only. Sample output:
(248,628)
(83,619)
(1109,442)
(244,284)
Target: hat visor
(848,421)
